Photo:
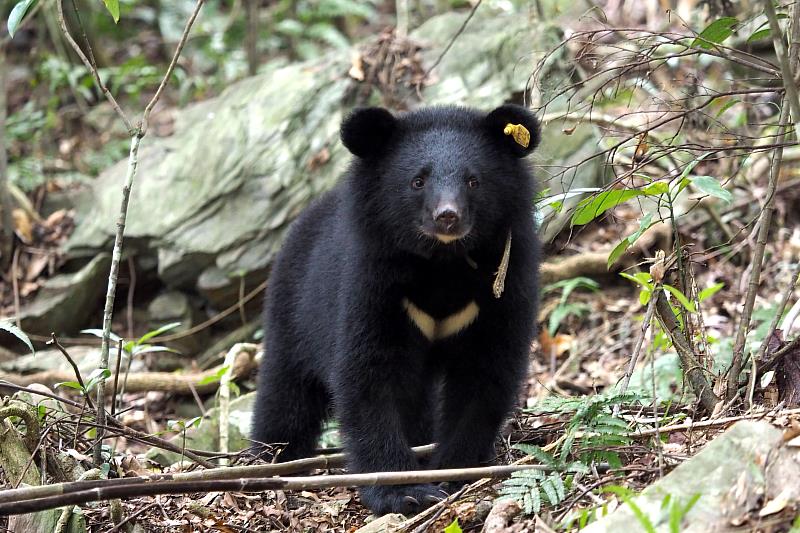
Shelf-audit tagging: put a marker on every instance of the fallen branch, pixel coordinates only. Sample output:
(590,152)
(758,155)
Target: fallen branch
(322,462)
(692,425)
(154,488)
(172,382)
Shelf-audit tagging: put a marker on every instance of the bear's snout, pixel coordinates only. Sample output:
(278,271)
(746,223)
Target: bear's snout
(446,217)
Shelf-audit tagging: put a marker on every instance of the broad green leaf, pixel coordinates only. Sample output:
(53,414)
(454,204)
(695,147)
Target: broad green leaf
(708,292)
(758,35)
(709,185)
(590,208)
(657,188)
(17,14)
(715,33)
(640,278)
(69,384)
(681,298)
(150,334)
(683,180)
(763,31)
(644,296)
(113,8)
(625,243)
(18,333)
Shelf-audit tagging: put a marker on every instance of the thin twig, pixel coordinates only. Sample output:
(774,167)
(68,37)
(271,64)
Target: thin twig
(178,49)
(131,516)
(765,220)
(116,379)
(453,39)
(75,369)
(770,363)
(21,505)
(778,42)
(691,425)
(648,317)
(92,70)
(779,312)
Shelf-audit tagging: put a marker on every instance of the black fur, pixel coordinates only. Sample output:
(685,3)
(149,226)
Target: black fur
(337,332)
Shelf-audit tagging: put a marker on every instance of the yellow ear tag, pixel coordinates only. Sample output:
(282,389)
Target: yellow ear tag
(520,133)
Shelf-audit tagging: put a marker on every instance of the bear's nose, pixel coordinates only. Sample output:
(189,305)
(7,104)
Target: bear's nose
(447,217)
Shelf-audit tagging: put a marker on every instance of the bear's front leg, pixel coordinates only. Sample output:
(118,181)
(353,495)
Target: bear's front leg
(479,393)
(381,397)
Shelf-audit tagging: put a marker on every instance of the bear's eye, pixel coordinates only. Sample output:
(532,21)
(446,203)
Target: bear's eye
(418,182)
(474,183)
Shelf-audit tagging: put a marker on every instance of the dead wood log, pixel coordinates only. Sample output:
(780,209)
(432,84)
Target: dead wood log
(173,382)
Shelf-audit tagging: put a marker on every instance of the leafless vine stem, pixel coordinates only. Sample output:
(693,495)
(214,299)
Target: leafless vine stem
(757,260)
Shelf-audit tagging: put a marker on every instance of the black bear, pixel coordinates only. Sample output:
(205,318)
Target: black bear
(405,298)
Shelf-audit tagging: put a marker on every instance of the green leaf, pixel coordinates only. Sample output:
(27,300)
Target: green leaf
(710,186)
(69,384)
(214,377)
(150,348)
(758,35)
(18,333)
(113,8)
(625,243)
(590,208)
(17,14)
(625,495)
(681,298)
(150,334)
(657,188)
(715,33)
(640,278)
(96,376)
(729,103)
(708,292)
(453,527)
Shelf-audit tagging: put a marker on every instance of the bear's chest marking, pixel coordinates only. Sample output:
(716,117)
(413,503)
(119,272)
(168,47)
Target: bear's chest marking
(434,329)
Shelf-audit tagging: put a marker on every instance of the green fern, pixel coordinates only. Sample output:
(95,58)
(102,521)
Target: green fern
(590,437)
(592,430)
(531,487)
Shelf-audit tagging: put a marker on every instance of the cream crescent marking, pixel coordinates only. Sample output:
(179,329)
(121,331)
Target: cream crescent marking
(439,329)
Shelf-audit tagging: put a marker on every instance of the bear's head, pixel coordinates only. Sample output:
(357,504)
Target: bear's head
(441,178)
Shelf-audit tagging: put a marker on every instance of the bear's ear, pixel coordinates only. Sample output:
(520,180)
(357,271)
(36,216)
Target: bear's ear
(514,127)
(367,130)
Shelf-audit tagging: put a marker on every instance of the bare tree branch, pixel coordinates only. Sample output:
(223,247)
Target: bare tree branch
(93,70)
(135,487)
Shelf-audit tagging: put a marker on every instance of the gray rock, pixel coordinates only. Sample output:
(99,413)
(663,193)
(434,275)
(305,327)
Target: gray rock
(211,203)
(733,475)
(67,300)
